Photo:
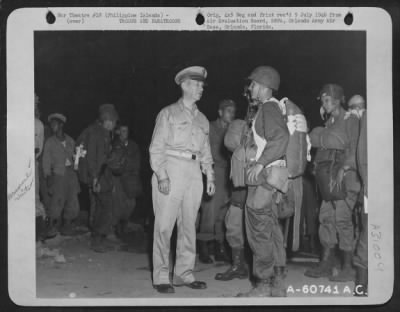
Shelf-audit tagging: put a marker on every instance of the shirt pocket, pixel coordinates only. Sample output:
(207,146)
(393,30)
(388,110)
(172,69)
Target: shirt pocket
(200,134)
(180,132)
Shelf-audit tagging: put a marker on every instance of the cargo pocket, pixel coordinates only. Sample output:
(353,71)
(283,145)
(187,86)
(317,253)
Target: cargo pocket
(259,199)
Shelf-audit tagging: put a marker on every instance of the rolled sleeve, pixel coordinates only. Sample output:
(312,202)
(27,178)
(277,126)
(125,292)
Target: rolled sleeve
(276,134)
(158,159)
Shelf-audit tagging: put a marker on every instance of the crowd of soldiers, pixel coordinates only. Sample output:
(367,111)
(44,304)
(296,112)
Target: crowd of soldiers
(248,188)
(103,159)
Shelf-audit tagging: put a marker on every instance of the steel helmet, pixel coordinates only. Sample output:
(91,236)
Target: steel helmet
(266,76)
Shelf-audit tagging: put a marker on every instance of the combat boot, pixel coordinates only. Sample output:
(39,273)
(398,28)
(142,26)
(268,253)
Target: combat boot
(68,229)
(98,243)
(204,256)
(324,268)
(52,227)
(221,254)
(278,282)
(347,273)
(262,289)
(238,268)
(361,284)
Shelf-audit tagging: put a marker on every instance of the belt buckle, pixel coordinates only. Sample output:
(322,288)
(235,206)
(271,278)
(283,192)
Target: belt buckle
(193,156)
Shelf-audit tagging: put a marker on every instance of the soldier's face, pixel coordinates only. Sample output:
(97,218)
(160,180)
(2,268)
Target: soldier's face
(257,91)
(123,133)
(55,125)
(227,114)
(109,125)
(193,89)
(329,103)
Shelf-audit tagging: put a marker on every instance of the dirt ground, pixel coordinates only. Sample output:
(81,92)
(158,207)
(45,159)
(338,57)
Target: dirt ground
(69,268)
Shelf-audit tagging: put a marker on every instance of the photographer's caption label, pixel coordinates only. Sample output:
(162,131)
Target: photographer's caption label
(222,19)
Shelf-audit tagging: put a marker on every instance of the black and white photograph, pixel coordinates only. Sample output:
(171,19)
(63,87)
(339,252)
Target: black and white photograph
(201,164)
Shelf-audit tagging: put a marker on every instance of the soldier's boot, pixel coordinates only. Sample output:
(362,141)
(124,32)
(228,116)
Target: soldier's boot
(238,268)
(221,254)
(52,227)
(347,273)
(262,289)
(204,256)
(324,268)
(68,228)
(278,282)
(361,284)
(113,239)
(98,243)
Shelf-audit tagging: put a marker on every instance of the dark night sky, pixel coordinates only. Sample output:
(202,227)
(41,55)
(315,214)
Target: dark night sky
(77,71)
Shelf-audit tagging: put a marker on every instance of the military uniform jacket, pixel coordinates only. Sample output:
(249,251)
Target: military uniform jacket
(179,129)
(271,125)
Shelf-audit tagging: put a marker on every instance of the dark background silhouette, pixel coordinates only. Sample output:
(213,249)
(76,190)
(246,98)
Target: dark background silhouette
(76,71)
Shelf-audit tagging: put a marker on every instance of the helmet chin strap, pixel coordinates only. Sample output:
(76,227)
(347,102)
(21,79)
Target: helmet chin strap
(322,113)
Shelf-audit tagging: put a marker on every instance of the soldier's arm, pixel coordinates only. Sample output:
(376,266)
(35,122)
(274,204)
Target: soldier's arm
(158,158)
(275,132)
(136,157)
(206,159)
(352,130)
(91,156)
(46,160)
(40,139)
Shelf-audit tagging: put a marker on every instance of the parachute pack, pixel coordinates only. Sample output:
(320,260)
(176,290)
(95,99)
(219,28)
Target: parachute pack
(296,152)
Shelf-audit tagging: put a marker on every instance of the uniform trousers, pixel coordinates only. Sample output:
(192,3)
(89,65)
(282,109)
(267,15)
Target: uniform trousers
(180,206)
(264,232)
(234,219)
(213,209)
(64,191)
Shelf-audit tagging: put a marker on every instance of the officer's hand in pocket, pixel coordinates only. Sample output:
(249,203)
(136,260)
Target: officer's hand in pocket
(210,188)
(164,186)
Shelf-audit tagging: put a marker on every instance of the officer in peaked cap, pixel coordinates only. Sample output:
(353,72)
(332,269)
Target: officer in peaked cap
(179,153)
(197,73)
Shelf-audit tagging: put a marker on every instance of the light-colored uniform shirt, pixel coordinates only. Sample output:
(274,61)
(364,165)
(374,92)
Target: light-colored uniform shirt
(182,130)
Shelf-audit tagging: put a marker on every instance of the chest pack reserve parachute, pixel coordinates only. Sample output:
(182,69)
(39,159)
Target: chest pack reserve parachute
(239,140)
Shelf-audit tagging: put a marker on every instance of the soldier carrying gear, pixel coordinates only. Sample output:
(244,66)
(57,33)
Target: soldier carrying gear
(338,183)
(267,178)
(213,210)
(356,106)
(264,234)
(234,215)
(94,172)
